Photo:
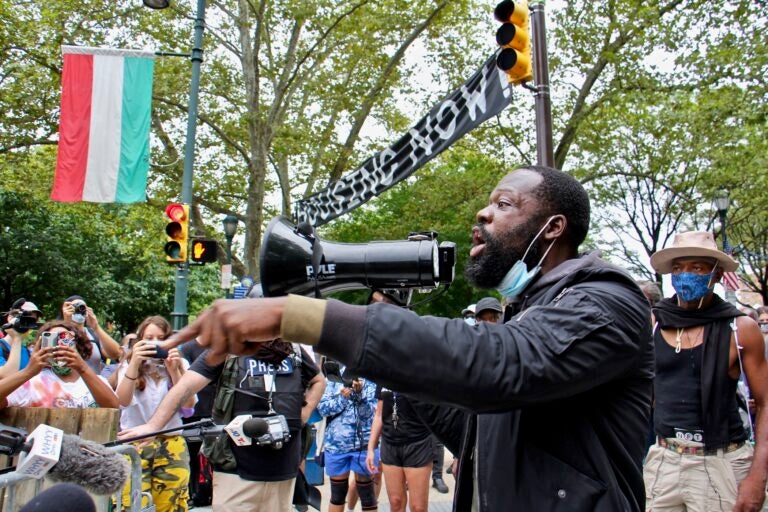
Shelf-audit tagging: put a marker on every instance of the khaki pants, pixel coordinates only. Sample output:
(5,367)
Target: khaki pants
(694,483)
(233,494)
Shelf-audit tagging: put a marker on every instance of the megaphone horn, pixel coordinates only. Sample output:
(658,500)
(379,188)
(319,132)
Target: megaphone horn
(286,263)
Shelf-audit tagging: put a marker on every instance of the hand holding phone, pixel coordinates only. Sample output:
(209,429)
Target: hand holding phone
(160,352)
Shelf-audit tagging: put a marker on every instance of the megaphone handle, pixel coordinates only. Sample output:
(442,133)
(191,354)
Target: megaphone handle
(317,258)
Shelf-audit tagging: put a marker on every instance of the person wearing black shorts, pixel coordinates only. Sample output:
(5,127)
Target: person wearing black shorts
(406,451)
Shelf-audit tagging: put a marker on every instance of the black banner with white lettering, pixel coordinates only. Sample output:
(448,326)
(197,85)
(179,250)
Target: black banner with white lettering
(481,97)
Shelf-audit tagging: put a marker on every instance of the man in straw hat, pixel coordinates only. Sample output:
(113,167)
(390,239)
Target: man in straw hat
(703,459)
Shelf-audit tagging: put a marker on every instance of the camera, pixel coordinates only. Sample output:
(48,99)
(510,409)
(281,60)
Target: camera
(80,309)
(79,306)
(160,352)
(26,321)
(277,434)
(333,373)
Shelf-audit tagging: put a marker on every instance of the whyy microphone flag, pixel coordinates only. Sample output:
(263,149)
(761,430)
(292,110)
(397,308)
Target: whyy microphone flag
(106,105)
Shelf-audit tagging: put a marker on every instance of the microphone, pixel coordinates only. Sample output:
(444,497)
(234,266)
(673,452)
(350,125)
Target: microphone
(90,465)
(67,458)
(61,498)
(241,429)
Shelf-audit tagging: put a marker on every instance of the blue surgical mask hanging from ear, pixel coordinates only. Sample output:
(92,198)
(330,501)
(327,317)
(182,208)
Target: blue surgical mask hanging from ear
(519,277)
(690,286)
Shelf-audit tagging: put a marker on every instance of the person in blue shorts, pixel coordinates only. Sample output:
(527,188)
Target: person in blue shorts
(349,410)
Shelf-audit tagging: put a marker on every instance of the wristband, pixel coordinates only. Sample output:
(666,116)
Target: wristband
(130,378)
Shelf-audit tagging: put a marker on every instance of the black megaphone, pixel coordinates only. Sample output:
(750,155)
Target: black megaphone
(294,260)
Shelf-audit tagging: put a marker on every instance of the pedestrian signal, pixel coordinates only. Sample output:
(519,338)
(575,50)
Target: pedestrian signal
(515,56)
(177,233)
(204,251)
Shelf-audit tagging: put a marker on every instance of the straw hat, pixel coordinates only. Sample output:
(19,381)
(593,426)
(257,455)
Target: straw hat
(691,245)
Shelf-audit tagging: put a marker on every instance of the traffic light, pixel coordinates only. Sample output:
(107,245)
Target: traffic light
(513,37)
(177,231)
(204,251)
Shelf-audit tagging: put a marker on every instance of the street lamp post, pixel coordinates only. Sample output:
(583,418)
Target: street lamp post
(230,228)
(722,203)
(180,313)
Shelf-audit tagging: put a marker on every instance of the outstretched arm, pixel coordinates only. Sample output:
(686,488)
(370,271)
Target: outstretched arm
(190,384)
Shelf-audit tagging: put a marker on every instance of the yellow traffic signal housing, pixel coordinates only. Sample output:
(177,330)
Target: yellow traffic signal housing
(177,233)
(204,251)
(513,37)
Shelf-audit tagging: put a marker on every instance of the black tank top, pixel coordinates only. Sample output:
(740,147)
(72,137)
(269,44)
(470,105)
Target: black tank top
(677,392)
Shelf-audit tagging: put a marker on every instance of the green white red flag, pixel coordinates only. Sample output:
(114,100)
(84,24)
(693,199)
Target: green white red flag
(106,106)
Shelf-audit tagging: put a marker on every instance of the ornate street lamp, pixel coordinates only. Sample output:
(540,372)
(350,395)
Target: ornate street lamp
(230,228)
(722,202)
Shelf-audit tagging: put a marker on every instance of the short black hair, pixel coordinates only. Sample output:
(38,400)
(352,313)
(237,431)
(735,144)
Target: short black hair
(562,194)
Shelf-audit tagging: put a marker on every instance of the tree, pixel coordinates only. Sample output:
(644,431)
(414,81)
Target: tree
(314,75)
(104,253)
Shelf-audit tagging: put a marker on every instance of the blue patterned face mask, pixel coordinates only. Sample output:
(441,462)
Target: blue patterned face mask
(519,276)
(690,286)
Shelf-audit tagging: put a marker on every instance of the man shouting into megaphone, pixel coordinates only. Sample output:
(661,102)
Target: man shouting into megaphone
(559,395)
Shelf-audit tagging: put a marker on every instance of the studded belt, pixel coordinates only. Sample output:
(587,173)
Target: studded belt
(698,450)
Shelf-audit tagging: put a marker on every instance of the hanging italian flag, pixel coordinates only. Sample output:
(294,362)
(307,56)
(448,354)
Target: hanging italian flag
(106,104)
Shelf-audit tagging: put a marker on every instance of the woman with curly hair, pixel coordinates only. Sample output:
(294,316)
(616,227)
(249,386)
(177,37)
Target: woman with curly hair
(142,384)
(57,374)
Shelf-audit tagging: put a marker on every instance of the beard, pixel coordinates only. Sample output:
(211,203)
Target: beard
(501,252)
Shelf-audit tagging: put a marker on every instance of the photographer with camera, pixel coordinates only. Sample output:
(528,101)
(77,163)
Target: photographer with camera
(279,382)
(142,384)
(57,375)
(348,406)
(19,320)
(105,347)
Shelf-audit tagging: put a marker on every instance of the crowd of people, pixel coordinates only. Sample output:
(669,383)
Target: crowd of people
(68,363)
(545,401)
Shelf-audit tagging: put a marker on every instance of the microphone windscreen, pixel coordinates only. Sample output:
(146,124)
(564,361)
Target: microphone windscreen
(90,465)
(61,498)
(255,427)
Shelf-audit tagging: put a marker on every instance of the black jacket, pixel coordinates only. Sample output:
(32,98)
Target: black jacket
(561,393)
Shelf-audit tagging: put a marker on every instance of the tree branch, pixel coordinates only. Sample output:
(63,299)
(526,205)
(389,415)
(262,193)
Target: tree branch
(205,119)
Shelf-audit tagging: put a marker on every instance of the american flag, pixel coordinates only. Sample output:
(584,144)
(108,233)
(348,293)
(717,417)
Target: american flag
(731,281)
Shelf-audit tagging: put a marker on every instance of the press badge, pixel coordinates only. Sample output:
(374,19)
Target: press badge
(692,437)
(260,376)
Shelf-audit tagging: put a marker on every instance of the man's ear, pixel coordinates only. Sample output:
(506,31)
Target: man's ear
(556,227)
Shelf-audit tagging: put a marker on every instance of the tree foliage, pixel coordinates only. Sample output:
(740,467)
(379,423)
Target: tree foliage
(656,105)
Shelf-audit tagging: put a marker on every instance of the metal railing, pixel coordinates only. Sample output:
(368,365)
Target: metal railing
(10,481)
